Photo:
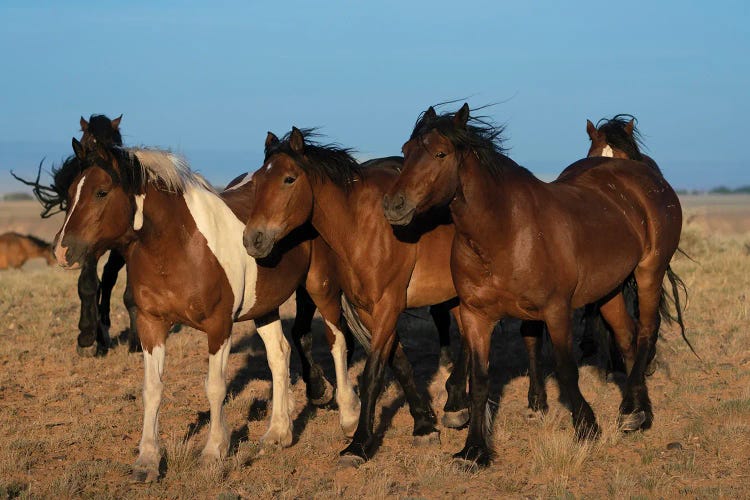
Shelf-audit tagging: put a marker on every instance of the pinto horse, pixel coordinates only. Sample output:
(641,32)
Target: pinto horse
(16,249)
(381,275)
(182,243)
(94,320)
(536,250)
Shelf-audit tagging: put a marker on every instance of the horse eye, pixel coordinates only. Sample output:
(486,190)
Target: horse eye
(440,154)
(289,180)
(101,194)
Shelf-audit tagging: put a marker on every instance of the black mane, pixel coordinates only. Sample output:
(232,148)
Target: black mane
(37,241)
(320,161)
(480,136)
(617,137)
(101,128)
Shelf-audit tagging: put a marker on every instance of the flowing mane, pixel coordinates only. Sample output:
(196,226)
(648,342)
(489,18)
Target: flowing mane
(618,137)
(168,170)
(480,136)
(320,161)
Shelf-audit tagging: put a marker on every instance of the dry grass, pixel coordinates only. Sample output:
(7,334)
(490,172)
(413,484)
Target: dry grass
(70,426)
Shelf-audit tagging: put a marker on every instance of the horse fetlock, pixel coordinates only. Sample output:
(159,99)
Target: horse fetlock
(456,419)
(146,467)
(473,457)
(87,352)
(427,439)
(349,415)
(277,436)
(320,393)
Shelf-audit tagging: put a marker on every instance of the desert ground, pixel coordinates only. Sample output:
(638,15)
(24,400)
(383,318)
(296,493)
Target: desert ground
(70,426)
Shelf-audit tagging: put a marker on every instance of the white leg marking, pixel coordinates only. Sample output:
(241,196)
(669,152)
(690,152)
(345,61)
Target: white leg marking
(59,249)
(278,350)
(607,151)
(216,390)
(153,367)
(138,219)
(346,398)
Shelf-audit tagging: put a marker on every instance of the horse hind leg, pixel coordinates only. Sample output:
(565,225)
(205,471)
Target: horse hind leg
(88,323)
(456,409)
(532,332)
(636,393)
(217,444)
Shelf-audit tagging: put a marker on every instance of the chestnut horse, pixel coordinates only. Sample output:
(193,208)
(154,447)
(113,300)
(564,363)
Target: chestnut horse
(182,243)
(94,320)
(536,250)
(380,274)
(16,249)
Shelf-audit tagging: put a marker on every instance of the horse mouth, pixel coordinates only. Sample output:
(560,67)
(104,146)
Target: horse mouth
(402,219)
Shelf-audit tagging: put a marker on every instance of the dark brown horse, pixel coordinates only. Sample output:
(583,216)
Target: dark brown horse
(186,263)
(94,321)
(381,275)
(16,249)
(536,251)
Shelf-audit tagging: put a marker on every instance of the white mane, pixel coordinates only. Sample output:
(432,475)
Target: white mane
(168,168)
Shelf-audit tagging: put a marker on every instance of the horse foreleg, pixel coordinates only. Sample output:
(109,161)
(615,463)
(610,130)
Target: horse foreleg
(441,317)
(153,339)
(88,323)
(456,409)
(109,278)
(318,390)
(278,350)
(132,330)
(559,322)
(532,332)
(217,444)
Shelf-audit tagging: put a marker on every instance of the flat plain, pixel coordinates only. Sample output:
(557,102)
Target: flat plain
(70,426)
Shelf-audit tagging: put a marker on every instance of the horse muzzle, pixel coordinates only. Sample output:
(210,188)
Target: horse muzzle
(259,242)
(398,210)
(69,253)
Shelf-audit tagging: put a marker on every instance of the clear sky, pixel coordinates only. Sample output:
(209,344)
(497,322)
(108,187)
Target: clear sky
(209,81)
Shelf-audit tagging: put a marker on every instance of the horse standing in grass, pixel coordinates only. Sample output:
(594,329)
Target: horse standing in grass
(536,251)
(94,321)
(16,249)
(182,242)
(381,275)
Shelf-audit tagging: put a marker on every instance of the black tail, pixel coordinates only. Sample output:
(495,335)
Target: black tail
(360,331)
(664,308)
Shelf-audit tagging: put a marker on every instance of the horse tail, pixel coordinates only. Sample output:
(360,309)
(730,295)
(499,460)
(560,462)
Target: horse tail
(676,284)
(358,329)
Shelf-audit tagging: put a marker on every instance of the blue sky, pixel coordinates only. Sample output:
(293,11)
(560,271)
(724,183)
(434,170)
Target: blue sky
(209,81)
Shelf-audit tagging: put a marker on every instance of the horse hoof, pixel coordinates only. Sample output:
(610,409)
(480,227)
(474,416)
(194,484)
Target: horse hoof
(427,439)
(632,421)
(87,352)
(326,398)
(350,461)
(456,419)
(142,475)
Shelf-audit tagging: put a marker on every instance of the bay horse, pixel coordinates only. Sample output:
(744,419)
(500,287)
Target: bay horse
(16,249)
(94,320)
(380,274)
(534,250)
(182,244)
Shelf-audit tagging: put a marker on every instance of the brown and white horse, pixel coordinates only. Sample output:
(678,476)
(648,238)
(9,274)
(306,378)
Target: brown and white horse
(16,249)
(182,242)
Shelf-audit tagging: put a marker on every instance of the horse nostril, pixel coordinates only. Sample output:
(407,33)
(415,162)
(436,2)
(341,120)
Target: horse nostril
(398,202)
(258,240)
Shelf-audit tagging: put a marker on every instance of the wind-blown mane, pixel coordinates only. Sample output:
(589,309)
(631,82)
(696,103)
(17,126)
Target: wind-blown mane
(320,161)
(168,170)
(53,198)
(618,137)
(480,136)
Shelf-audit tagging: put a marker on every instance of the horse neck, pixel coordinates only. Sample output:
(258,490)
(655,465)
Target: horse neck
(334,216)
(164,214)
(484,200)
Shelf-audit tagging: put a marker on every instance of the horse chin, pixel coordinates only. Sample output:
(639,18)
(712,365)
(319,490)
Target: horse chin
(400,219)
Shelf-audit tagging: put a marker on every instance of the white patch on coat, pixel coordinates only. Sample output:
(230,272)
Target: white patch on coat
(138,218)
(223,232)
(59,249)
(153,368)
(607,151)
(245,180)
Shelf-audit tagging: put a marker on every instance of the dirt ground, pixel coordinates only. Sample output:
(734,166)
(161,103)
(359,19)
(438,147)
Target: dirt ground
(70,426)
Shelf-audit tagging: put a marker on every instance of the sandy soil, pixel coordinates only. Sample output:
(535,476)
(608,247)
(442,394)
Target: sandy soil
(70,426)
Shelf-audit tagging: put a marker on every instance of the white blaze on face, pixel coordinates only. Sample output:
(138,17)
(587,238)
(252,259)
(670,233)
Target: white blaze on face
(223,232)
(607,151)
(138,219)
(59,249)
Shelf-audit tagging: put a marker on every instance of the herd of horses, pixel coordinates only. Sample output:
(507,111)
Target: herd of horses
(453,224)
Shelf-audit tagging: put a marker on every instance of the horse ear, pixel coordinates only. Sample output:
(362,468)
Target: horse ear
(116,123)
(78,149)
(84,125)
(591,130)
(629,127)
(430,114)
(462,116)
(297,141)
(271,140)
